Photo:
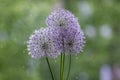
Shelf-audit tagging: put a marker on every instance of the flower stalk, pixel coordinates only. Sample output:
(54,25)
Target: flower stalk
(62,66)
(69,67)
(50,69)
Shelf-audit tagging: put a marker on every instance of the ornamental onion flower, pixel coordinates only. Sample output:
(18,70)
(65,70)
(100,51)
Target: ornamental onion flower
(43,43)
(74,41)
(62,18)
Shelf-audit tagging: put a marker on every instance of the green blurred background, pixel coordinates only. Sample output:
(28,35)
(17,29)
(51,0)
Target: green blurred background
(99,19)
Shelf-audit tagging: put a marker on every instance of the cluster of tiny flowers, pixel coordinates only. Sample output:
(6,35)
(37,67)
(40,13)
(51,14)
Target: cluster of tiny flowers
(44,42)
(62,18)
(63,35)
(74,41)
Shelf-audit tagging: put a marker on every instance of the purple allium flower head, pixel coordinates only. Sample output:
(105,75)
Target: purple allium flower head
(62,18)
(74,41)
(44,42)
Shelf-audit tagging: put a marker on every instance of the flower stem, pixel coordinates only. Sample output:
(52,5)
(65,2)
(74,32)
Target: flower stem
(63,62)
(61,58)
(50,68)
(69,68)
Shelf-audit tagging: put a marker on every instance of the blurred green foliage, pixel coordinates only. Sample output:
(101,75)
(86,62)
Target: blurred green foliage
(19,18)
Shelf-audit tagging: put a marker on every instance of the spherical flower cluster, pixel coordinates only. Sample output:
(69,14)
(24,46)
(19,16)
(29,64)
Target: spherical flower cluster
(62,18)
(63,35)
(44,43)
(74,41)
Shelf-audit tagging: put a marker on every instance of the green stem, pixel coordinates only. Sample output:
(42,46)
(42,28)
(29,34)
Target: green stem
(69,68)
(61,66)
(63,62)
(50,68)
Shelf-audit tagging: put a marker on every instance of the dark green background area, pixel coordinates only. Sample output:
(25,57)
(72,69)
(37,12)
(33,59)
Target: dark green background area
(19,18)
